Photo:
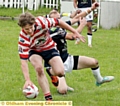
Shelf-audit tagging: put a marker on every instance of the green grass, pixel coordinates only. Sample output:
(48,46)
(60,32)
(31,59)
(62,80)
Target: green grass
(105,49)
(12,12)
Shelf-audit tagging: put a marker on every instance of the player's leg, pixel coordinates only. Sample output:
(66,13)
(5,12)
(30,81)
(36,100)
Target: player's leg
(36,61)
(53,58)
(95,17)
(57,66)
(54,79)
(54,65)
(68,66)
(62,87)
(89,33)
(59,82)
(88,62)
(89,19)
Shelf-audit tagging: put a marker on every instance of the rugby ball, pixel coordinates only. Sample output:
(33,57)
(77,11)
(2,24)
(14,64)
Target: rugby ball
(31,92)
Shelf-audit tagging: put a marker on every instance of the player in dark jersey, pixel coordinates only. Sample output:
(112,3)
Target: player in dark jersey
(71,62)
(83,5)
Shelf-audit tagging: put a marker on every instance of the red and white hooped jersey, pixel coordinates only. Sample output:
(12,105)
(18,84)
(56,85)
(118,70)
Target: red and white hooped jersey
(40,41)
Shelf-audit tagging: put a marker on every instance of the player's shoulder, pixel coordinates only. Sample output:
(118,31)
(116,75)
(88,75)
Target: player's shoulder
(40,19)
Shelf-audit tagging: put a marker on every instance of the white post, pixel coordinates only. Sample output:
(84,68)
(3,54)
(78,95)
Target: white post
(56,3)
(46,3)
(50,3)
(18,4)
(53,3)
(60,5)
(14,3)
(23,6)
(1,2)
(37,4)
(42,3)
(30,4)
(11,3)
(99,9)
(6,3)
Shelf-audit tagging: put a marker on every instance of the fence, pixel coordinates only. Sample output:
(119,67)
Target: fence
(50,3)
(29,4)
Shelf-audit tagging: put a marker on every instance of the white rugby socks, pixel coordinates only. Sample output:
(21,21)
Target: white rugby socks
(89,39)
(97,75)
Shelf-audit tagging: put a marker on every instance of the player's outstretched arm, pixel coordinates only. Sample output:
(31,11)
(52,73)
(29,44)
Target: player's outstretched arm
(85,13)
(71,29)
(25,70)
(83,23)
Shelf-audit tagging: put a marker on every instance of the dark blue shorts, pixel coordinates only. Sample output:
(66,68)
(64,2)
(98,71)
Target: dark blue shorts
(46,55)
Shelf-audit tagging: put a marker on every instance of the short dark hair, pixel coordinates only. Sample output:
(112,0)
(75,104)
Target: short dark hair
(26,18)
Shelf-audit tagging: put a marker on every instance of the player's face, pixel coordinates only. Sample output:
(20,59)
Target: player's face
(29,29)
(56,15)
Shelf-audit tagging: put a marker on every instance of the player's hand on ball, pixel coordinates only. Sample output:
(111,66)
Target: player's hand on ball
(27,83)
(31,92)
